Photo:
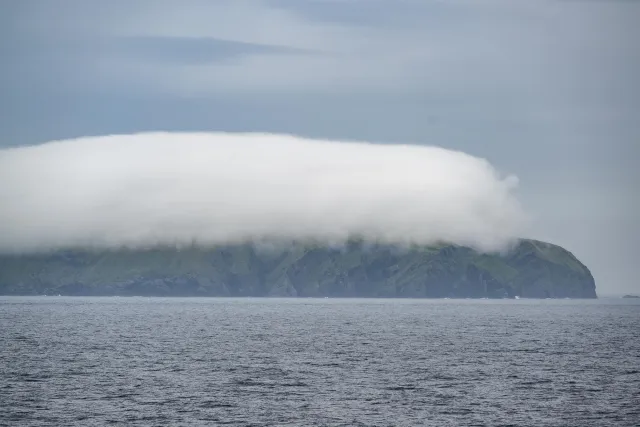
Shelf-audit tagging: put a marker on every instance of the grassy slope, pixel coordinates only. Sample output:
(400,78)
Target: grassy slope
(534,268)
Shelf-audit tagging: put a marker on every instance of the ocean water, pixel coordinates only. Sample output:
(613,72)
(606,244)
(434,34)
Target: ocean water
(301,362)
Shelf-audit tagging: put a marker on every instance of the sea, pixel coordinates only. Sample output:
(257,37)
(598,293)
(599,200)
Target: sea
(137,361)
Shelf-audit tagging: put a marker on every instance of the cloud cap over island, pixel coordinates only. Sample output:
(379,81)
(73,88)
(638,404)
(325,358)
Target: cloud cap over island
(151,189)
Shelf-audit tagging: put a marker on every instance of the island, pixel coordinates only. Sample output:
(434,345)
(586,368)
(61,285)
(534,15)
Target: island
(531,269)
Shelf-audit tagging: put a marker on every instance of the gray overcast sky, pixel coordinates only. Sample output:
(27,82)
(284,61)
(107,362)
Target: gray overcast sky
(546,89)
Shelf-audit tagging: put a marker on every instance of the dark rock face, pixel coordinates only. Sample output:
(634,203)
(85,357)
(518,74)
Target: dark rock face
(533,269)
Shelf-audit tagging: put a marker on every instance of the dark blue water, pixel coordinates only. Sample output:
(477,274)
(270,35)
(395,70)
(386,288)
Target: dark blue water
(153,361)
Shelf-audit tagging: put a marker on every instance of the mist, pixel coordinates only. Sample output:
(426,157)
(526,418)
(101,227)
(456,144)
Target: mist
(182,189)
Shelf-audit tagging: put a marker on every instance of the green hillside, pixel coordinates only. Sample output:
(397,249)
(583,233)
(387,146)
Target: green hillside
(532,269)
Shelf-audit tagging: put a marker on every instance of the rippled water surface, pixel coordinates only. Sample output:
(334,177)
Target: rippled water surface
(154,361)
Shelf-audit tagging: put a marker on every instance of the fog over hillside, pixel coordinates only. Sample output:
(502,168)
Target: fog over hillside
(152,189)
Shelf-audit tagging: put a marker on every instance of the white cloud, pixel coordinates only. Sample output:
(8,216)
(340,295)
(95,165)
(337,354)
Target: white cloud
(174,188)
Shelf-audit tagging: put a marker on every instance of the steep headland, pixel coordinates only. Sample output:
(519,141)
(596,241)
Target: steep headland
(532,269)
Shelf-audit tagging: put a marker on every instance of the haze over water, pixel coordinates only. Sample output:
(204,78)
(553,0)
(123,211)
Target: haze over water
(262,362)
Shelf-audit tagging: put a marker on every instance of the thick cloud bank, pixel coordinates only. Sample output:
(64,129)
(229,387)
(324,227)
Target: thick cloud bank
(152,189)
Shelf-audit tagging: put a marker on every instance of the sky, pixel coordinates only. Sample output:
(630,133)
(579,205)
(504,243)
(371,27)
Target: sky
(546,90)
